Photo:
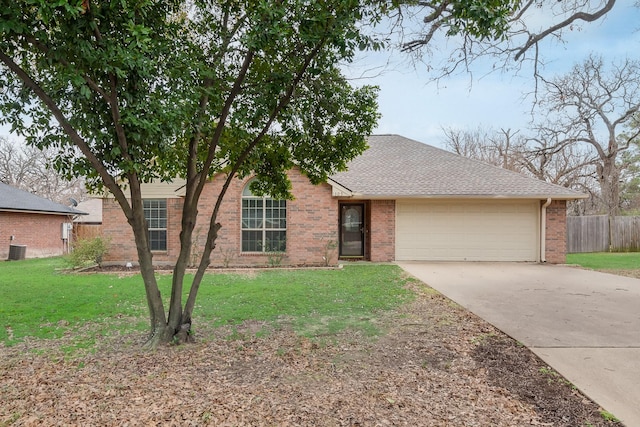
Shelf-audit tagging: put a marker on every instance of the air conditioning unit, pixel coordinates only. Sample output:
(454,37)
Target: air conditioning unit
(17,252)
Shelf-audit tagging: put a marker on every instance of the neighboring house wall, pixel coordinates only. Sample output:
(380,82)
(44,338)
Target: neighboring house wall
(383,230)
(40,233)
(312,224)
(556,232)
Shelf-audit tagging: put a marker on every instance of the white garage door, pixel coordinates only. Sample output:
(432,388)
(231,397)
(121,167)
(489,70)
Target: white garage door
(467,230)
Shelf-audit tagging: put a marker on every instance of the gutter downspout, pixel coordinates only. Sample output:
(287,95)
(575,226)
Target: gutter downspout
(543,230)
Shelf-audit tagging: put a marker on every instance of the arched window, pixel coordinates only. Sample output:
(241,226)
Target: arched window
(264,223)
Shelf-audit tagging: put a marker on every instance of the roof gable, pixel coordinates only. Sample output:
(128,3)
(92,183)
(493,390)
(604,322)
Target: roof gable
(13,199)
(398,167)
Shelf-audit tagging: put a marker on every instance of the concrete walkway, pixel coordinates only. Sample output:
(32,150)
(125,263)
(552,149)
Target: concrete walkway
(584,324)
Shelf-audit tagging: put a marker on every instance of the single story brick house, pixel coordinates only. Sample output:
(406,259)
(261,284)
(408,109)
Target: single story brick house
(39,226)
(400,200)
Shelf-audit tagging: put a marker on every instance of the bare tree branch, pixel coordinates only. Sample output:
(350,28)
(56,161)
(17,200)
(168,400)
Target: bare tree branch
(510,46)
(595,105)
(29,169)
(578,16)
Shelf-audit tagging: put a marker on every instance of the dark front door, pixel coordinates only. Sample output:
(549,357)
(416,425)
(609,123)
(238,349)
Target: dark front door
(352,230)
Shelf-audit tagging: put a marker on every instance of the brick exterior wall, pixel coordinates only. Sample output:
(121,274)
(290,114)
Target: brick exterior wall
(312,227)
(312,224)
(117,230)
(122,246)
(556,232)
(383,230)
(41,233)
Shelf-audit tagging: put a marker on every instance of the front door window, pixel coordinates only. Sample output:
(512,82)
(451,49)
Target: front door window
(352,230)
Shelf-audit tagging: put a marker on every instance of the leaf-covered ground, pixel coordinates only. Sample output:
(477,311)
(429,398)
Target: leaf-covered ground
(435,365)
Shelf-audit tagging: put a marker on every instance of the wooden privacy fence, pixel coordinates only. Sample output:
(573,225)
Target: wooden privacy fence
(86,231)
(595,234)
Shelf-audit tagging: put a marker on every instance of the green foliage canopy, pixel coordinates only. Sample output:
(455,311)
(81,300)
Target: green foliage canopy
(135,82)
(127,92)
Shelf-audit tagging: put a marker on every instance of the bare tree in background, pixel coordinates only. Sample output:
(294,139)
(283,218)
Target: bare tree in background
(572,166)
(630,173)
(513,38)
(30,169)
(594,106)
(503,148)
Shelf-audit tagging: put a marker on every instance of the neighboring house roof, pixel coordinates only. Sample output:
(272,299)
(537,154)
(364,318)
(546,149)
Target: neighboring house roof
(398,167)
(15,200)
(93,207)
(173,189)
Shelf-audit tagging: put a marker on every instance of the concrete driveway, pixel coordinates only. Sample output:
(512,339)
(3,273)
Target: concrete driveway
(584,324)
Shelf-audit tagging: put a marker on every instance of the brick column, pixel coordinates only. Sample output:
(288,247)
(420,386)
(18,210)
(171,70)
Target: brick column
(556,232)
(383,230)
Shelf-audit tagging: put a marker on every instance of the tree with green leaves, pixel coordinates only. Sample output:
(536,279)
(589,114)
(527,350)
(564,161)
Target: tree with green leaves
(131,92)
(128,92)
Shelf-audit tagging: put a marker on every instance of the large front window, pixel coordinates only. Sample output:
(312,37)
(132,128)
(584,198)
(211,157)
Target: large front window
(155,212)
(264,223)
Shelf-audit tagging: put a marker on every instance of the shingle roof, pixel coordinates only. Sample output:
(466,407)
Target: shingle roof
(398,167)
(12,199)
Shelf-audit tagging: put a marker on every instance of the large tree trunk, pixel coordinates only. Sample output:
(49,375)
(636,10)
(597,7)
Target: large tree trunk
(202,267)
(610,190)
(609,177)
(181,330)
(210,244)
(157,317)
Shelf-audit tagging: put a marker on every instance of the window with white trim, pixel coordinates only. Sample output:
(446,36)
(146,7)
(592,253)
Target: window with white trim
(264,223)
(155,212)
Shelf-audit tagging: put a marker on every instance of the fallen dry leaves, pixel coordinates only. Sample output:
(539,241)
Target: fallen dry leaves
(436,365)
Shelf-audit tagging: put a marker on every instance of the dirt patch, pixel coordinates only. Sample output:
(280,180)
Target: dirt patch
(514,368)
(435,365)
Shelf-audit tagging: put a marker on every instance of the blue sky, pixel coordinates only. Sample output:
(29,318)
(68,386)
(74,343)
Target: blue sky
(415,108)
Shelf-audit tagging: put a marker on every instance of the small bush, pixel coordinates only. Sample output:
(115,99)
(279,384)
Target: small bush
(329,248)
(88,252)
(275,258)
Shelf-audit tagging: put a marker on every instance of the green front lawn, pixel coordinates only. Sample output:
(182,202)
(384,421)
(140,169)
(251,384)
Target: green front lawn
(606,260)
(42,301)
